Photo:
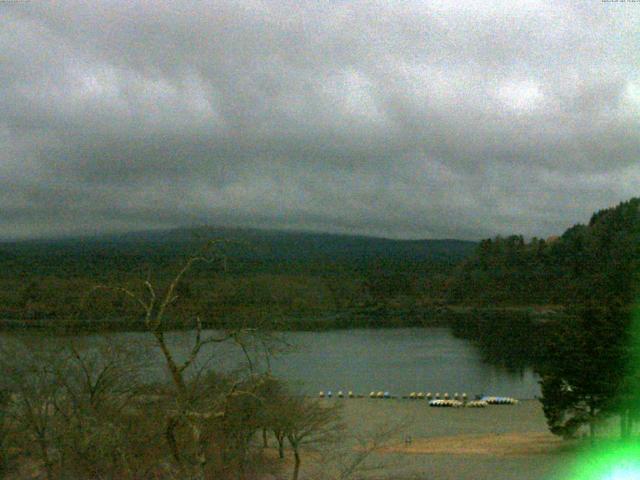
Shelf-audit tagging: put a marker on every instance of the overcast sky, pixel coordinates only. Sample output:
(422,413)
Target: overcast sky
(408,119)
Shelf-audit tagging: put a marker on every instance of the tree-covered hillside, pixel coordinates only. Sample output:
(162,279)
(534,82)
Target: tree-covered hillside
(275,273)
(598,262)
(248,250)
(265,273)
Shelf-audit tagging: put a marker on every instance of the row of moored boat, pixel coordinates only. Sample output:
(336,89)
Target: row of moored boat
(434,400)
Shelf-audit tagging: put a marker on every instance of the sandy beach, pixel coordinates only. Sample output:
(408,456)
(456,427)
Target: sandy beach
(496,442)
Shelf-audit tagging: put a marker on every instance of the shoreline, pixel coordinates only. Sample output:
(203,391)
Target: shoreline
(368,318)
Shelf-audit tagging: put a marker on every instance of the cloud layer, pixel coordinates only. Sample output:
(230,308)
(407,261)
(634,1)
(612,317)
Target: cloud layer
(405,119)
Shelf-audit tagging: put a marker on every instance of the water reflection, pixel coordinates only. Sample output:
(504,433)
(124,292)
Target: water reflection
(513,343)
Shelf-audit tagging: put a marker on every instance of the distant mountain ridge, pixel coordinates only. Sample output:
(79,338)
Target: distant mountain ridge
(246,244)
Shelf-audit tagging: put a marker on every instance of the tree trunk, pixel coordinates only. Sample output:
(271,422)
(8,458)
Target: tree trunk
(265,443)
(49,469)
(296,465)
(592,425)
(242,457)
(170,436)
(176,374)
(44,452)
(241,467)
(201,455)
(280,446)
(624,424)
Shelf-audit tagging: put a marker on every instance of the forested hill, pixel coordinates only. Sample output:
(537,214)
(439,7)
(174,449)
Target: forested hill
(308,274)
(267,273)
(248,250)
(598,262)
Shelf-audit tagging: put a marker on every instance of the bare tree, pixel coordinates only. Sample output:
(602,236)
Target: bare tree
(309,424)
(5,400)
(356,453)
(189,411)
(83,408)
(29,376)
(274,415)
(99,382)
(68,402)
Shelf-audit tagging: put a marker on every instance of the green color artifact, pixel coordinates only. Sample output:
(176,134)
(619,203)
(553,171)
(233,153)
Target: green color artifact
(611,462)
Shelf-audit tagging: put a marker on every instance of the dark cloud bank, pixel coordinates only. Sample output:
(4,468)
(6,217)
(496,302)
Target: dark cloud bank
(404,119)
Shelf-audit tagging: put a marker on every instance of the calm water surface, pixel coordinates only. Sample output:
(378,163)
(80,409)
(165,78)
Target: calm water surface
(395,360)
(399,361)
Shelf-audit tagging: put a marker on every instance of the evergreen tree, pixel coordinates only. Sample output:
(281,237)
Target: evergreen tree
(585,370)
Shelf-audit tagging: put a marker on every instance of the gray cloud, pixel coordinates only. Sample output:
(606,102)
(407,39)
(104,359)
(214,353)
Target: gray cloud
(404,119)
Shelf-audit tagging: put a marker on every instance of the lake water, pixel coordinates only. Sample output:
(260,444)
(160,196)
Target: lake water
(399,360)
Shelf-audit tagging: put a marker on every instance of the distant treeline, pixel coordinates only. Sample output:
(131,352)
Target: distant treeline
(463,321)
(297,280)
(595,263)
(318,281)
